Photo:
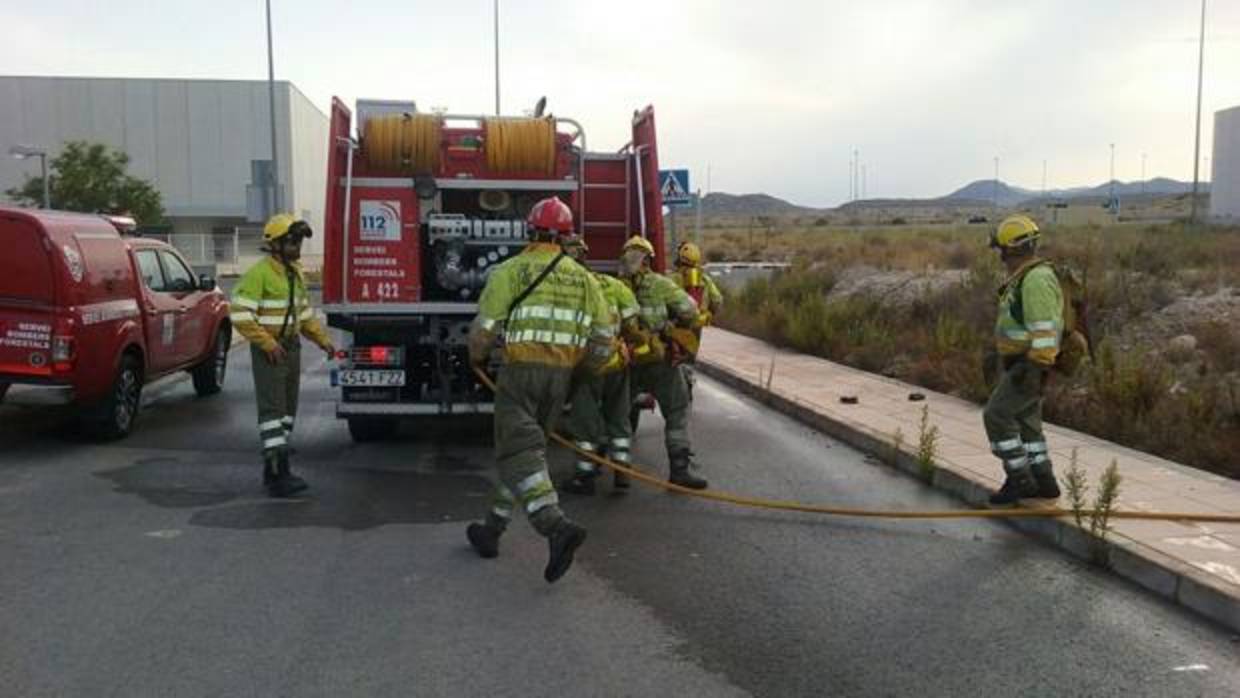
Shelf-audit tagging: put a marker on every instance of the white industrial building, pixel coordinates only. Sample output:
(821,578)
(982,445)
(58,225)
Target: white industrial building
(204,144)
(1225,166)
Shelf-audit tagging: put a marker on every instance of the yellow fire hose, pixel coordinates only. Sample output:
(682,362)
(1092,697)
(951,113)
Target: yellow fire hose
(783,505)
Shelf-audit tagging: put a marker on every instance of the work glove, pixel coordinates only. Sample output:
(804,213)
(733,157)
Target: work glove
(651,352)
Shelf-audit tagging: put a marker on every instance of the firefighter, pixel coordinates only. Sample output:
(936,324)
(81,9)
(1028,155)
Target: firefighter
(666,312)
(694,279)
(553,319)
(271,309)
(1027,340)
(600,403)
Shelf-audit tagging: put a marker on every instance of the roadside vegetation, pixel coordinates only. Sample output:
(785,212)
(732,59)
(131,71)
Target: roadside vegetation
(918,304)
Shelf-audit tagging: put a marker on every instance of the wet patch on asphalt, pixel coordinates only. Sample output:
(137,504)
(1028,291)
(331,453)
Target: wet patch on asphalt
(230,495)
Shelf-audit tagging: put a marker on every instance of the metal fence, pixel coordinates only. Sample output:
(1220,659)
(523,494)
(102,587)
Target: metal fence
(228,253)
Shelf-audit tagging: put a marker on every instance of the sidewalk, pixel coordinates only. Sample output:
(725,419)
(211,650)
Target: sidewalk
(1195,565)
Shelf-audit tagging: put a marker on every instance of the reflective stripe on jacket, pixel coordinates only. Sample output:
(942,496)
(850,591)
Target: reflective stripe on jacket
(1041,301)
(557,323)
(260,304)
(660,300)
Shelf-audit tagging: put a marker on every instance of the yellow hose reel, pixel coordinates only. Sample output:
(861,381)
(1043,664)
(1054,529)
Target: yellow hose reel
(411,143)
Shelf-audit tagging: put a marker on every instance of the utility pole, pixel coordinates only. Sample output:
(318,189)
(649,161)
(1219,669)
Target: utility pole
(1142,174)
(697,227)
(994,204)
(1043,179)
(863,182)
(271,96)
(1201,61)
(1112,181)
(856,174)
(496,14)
(850,179)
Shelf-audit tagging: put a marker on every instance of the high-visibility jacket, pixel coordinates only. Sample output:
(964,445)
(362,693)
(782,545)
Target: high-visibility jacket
(1041,309)
(700,287)
(661,301)
(558,323)
(624,322)
(262,304)
(620,300)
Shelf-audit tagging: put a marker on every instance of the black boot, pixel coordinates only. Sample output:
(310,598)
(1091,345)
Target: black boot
(484,539)
(1048,486)
(286,484)
(1018,485)
(581,483)
(619,480)
(564,540)
(270,466)
(680,463)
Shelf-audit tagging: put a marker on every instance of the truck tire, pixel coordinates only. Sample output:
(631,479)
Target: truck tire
(114,416)
(209,375)
(364,429)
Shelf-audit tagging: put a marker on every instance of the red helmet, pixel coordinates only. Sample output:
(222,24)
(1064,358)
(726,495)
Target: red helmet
(551,214)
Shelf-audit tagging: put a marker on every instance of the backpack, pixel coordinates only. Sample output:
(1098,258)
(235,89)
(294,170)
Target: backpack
(1076,342)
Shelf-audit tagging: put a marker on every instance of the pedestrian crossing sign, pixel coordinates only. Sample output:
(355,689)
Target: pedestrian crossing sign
(674,187)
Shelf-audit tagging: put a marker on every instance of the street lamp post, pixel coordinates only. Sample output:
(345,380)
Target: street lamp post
(271,98)
(1201,60)
(496,4)
(21,152)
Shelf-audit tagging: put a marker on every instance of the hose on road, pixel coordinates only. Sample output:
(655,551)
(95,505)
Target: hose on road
(784,505)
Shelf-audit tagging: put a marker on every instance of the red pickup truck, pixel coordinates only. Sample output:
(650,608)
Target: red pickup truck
(89,315)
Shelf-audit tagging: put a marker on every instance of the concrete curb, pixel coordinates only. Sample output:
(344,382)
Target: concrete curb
(1171,579)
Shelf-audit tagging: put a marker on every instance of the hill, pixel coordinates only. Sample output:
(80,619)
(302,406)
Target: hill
(721,204)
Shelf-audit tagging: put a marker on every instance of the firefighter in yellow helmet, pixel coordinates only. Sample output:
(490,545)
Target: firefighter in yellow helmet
(693,278)
(669,315)
(1027,337)
(271,309)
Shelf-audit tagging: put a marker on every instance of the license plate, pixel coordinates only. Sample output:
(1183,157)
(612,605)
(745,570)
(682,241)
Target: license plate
(372,378)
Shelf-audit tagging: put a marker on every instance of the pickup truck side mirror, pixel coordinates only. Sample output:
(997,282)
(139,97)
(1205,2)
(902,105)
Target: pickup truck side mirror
(206,282)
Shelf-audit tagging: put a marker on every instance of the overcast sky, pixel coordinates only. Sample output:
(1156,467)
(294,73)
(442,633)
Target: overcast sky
(772,95)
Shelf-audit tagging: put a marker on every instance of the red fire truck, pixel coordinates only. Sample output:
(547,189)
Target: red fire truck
(420,206)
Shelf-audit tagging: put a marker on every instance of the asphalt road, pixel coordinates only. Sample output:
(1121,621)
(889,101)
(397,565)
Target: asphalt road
(155,567)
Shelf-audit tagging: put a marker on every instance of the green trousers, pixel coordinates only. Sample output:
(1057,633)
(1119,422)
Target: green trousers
(667,383)
(276,387)
(1013,419)
(528,399)
(599,419)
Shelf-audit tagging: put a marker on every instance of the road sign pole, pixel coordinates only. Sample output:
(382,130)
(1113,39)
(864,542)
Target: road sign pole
(697,227)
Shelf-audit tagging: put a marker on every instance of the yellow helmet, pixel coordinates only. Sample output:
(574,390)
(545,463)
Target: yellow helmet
(638,242)
(688,255)
(282,224)
(1015,231)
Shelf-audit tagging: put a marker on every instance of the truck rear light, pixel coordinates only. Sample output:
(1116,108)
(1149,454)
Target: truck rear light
(64,352)
(377,356)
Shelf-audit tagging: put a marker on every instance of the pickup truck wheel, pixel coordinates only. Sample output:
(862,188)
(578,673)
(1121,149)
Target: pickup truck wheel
(114,417)
(209,375)
(364,429)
